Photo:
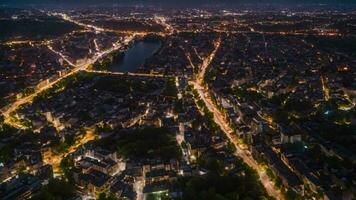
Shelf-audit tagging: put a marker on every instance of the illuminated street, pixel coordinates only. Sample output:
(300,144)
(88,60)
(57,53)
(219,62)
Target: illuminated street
(221,121)
(11,108)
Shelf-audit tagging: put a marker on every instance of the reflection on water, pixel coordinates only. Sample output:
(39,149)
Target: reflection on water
(136,56)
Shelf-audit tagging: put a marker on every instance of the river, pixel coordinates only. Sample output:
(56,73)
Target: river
(135,56)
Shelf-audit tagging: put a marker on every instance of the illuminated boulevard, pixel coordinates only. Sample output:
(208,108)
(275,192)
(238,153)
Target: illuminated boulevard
(222,122)
(128,74)
(8,110)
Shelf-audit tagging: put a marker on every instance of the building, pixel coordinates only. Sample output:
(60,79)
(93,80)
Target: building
(290,135)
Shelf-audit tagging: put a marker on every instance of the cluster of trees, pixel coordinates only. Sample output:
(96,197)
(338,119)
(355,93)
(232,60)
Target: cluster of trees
(343,134)
(29,28)
(4,99)
(70,81)
(69,140)
(286,105)
(2,119)
(5,148)
(66,165)
(343,44)
(223,187)
(103,128)
(122,85)
(244,93)
(107,196)
(276,180)
(288,194)
(17,138)
(144,142)
(332,124)
(57,189)
(109,60)
(24,122)
(178,106)
(149,142)
(158,196)
(291,195)
(208,118)
(28,91)
(170,89)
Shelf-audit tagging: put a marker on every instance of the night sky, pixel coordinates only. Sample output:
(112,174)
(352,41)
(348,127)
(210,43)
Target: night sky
(176,2)
(271,4)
